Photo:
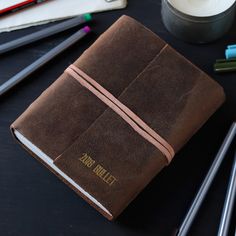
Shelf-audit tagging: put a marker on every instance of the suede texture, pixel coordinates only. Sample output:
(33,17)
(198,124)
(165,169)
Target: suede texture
(164,89)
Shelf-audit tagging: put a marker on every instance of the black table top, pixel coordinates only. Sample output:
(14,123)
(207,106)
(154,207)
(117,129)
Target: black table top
(35,202)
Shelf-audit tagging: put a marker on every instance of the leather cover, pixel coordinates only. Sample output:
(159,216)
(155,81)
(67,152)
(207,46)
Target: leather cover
(93,145)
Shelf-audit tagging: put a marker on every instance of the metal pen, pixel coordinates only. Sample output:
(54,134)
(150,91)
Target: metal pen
(189,218)
(229,203)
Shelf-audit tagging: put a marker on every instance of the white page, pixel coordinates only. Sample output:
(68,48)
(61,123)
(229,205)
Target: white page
(39,153)
(53,10)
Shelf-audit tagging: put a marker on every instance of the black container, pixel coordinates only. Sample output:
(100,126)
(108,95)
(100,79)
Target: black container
(197,29)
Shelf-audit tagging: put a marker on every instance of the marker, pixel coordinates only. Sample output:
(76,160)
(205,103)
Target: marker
(230,53)
(232,46)
(44,33)
(223,65)
(43,60)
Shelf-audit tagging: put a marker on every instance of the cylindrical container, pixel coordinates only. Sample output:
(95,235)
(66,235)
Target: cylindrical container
(196,24)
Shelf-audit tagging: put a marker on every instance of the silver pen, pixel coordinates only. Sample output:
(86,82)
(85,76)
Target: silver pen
(189,218)
(229,203)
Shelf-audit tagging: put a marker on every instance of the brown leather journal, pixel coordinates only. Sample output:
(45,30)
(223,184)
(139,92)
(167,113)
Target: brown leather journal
(116,117)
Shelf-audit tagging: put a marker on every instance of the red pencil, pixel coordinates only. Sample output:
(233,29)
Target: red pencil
(19,6)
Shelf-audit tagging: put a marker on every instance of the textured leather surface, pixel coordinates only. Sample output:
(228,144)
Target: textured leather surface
(68,122)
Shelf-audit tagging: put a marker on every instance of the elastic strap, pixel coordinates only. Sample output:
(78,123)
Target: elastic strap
(123,111)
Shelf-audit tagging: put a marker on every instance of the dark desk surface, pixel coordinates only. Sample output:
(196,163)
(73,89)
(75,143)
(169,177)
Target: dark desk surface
(33,202)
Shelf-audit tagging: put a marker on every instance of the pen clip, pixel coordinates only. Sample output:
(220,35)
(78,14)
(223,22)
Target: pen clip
(110,1)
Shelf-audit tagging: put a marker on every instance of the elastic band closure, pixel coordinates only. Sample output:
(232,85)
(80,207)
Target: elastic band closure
(125,109)
(131,118)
